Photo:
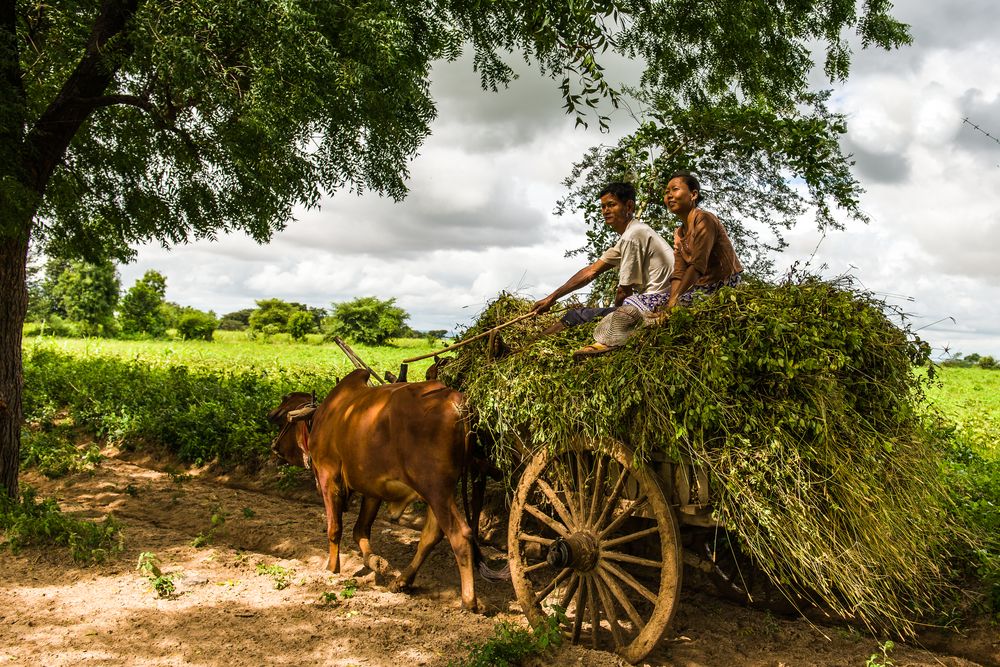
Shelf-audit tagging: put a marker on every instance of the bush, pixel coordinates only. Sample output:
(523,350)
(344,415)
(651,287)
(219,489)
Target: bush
(987,362)
(434,336)
(366,320)
(301,323)
(199,415)
(973,482)
(141,311)
(271,316)
(196,325)
(511,645)
(30,523)
(52,452)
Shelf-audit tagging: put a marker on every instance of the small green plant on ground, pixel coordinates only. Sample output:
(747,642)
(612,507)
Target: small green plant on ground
(882,659)
(350,589)
(248,513)
(511,644)
(217,520)
(282,575)
(162,583)
(328,597)
(30,522)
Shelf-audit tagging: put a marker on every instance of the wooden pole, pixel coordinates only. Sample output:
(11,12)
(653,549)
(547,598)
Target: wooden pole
(356,360)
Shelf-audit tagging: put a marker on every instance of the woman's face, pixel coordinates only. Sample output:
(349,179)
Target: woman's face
(679,198)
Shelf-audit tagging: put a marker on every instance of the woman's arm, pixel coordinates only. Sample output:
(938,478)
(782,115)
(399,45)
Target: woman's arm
(679,285)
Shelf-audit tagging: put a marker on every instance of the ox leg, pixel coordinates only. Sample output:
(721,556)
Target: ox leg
(429,537)
(460,536)
(453,525)
(334,499)
(363,534)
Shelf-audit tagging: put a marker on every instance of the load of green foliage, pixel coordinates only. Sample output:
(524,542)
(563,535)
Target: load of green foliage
(802,402)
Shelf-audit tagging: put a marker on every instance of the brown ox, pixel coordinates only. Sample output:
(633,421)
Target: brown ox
(399,443)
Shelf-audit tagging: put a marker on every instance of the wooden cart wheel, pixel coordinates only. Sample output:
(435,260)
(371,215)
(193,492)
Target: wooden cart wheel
(592,537)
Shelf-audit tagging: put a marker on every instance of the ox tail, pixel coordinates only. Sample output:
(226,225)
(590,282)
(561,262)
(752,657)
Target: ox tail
(473,509)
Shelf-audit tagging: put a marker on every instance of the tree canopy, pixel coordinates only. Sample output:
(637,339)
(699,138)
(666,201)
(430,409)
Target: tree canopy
(142,308)
(124,121)
(760,170)
(367,320)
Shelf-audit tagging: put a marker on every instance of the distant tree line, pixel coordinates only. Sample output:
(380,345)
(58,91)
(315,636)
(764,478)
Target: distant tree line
(78,298)
(970,360)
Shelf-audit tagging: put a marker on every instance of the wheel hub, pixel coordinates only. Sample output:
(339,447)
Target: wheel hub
(578,551)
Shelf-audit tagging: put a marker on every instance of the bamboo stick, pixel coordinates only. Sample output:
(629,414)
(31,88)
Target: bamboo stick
(476,337)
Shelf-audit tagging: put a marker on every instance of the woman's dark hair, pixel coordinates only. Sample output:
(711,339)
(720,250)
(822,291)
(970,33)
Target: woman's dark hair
(691,181)
(624,192)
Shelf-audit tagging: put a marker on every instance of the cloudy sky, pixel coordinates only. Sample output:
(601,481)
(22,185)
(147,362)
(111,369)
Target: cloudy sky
(479,215)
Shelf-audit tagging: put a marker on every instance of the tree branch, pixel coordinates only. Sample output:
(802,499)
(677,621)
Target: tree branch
(48,140)
(130,100)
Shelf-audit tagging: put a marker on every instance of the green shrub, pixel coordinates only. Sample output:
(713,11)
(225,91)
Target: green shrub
(142,308)
(366,320)
(200,415)
(29,522)
(301,323)
(162,583)
(54,325)
(282,576)
(196,325)
(973,482)
(52,452)
(987,362)
(230,324)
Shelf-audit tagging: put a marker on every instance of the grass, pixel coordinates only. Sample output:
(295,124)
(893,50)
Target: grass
(971,398)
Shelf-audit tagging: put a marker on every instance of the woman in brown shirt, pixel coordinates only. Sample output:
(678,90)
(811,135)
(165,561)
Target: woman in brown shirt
(704,259)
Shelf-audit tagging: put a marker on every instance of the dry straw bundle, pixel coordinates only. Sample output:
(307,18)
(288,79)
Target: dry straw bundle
(800,399)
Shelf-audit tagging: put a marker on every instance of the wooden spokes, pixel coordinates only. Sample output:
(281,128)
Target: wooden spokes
(594,537)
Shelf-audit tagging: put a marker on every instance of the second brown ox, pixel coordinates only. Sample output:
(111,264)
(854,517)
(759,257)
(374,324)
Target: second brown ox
(398,443)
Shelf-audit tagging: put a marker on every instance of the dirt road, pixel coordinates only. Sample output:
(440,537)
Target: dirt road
(255,593)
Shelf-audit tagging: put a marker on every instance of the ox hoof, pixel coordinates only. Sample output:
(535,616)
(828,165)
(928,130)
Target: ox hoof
(398,585)
(377,564)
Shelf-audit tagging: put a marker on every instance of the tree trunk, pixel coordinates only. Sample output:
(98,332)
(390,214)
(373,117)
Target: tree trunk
(13,305)
(28,157)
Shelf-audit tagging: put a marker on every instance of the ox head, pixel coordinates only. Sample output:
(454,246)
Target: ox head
(285,445)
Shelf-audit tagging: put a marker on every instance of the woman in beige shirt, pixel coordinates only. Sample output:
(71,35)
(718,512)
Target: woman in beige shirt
(704,259)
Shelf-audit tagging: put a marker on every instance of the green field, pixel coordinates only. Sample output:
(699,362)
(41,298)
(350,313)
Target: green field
(232,349)
(971,397)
